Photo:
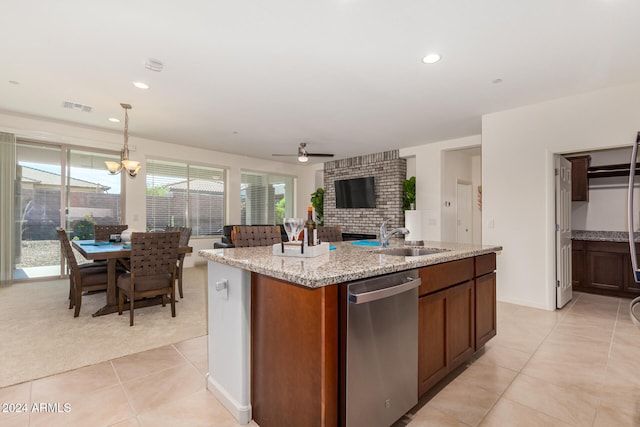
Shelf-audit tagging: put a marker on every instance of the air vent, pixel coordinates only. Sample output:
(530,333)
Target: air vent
(76,106)
(153,65)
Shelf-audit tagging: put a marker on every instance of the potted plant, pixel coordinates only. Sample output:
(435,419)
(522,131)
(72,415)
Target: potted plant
(409,193)
(317,201)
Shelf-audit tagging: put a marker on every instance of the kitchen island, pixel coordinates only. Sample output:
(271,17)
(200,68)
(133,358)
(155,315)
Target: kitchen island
(277,324)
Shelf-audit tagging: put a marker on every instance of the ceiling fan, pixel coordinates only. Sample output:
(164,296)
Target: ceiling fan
(303,154)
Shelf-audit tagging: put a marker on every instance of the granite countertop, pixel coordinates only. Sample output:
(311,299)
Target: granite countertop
(603,236)
(346,263)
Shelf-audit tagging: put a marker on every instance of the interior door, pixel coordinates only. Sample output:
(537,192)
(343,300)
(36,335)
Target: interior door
(563,231)
(464,213)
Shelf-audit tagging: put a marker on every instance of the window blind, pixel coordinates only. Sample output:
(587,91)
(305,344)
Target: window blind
(265,198)
(185,195)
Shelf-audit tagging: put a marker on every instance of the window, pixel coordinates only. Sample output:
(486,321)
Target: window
(265,199)
(185,195)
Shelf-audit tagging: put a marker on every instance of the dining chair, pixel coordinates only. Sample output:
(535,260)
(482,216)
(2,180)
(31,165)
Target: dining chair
(256,235)
(185,235)
(154,257)
(87,278)
(104,232)
(330,234)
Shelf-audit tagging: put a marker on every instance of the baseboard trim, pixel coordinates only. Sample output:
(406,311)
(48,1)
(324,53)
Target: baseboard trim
(242,413)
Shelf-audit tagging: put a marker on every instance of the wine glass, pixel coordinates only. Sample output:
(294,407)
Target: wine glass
(296,228)
(288,223)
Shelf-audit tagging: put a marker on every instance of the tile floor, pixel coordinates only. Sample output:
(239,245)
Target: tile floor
(572,367)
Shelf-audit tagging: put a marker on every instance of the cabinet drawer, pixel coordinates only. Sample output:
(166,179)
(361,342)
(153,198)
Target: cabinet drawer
(440,276)
(485,264)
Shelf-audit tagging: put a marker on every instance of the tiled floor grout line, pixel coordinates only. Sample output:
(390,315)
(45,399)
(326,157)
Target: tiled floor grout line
(124,389)
(606,368)
(30,402)
(186,359)
(519,372)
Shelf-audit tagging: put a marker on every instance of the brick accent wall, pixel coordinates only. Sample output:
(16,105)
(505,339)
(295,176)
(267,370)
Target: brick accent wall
(389,172)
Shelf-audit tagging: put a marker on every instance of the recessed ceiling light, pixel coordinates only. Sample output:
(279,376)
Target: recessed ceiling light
(141,85)
(114,120)
(431,58)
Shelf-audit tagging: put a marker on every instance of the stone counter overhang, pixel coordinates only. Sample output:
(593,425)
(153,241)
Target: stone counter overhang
(603,236)
(346,263)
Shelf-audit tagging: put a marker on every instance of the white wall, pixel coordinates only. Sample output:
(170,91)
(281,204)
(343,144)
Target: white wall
(429,180)
(135,206)
(518,183)
(411,167)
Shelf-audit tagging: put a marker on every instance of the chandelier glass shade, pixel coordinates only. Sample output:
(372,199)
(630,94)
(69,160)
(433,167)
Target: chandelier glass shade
(131,166)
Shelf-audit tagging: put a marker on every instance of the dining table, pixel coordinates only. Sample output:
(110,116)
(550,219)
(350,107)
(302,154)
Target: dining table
(113,252)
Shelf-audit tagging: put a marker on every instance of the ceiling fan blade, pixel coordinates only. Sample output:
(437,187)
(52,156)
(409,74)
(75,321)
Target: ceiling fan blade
(319,155)
(285,155)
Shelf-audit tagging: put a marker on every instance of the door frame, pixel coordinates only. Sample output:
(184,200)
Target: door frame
(468,184)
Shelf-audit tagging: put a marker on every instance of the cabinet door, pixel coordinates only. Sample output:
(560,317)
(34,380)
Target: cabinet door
(433,356)
(578,264)
(485,297)
(579,178)
(631,288)
(606,270)
(460,323)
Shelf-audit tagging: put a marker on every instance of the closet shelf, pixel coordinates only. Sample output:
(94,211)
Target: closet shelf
(605,171)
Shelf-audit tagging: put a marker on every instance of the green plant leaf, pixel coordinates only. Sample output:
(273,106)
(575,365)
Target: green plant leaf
(317,201)
(409,193)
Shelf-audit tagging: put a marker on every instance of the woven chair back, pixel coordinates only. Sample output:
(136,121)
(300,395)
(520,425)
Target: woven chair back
(104,232)
(330,234)
(185,234)
(154,253)
(67,250)
(256,235)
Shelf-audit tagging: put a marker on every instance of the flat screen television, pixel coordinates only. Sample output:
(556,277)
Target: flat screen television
(355,193)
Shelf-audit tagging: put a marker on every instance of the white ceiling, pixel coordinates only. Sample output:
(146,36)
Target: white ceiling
(258,77)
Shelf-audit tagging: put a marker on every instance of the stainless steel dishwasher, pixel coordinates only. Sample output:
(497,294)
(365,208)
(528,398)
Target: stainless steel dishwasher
(381,349)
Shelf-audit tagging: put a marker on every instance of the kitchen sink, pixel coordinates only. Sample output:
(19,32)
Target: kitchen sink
(409,251)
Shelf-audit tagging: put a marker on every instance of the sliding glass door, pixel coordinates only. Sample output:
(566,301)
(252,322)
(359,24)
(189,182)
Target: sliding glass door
(93,195)
(58,185)
(38,192)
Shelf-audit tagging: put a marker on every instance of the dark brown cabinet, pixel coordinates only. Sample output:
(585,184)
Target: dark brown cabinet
(603,268)
(485,299)
(580,178)
(457,315)
(433,355)
(446,330)
(578,263)
(461,323)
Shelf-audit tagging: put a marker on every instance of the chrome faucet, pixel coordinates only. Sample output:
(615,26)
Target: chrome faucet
(386,235)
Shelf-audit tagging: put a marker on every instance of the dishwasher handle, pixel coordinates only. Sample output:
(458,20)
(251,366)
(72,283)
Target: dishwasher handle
(364,297)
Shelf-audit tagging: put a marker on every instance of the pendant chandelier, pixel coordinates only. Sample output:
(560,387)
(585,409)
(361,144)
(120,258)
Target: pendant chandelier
(131,166)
